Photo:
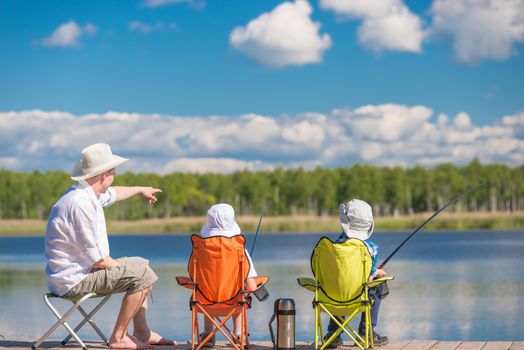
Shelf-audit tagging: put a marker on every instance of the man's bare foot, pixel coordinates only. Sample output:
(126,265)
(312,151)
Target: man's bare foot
(128,342)
(154,338)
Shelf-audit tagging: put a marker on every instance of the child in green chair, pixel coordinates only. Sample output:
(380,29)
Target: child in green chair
(356,219)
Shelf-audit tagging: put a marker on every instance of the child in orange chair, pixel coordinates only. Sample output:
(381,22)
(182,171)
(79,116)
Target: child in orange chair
(221,222)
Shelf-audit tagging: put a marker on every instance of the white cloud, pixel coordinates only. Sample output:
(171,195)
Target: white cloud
(388,122)
(148,28)
(304,133)
(68,35)
(371,151)
(462,121)
(286,36)
(480,29)
(10,163)
(515,122)
(501,146)
(387,134)
(386,24)
(357,9)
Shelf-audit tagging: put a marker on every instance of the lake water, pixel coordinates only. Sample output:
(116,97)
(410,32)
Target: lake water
(449,285)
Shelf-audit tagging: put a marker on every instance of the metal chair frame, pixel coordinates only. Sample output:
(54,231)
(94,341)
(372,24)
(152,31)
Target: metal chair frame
(87,318)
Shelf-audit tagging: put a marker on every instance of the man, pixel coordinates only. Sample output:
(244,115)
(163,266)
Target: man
(77,248)
(356,219)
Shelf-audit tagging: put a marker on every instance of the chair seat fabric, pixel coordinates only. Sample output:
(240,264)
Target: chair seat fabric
(341,269)
(341,288)
(219,267)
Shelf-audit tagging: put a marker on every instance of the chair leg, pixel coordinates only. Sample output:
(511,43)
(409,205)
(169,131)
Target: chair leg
(317,316)
(194,324)
(87,319)
(369,329)
(246,334)
(219,327)
(62,321)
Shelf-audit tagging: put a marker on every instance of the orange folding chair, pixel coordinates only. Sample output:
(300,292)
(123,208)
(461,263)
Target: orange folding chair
(218,269)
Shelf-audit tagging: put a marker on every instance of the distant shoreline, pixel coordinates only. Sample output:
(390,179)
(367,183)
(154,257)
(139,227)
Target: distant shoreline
(299,224)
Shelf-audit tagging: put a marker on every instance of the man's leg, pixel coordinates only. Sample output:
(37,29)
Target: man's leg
(142,330)
(143,278)
(120,339)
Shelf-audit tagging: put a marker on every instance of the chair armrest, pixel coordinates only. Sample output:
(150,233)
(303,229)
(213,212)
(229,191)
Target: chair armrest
(261,281)
(260,292)
(308,283)
(185,282)
(379,281)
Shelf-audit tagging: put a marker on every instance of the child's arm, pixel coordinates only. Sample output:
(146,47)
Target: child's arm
(378,273)
(251,284)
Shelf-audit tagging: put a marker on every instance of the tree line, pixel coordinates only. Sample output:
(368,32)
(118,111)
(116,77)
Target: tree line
(391,191)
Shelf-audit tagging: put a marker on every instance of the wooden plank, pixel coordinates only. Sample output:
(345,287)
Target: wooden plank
(446,345)
(395,345)
(266,345)
(497,345)
(471,345)
(420,345)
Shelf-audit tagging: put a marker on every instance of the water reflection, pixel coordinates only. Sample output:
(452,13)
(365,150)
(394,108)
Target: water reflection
(448,286)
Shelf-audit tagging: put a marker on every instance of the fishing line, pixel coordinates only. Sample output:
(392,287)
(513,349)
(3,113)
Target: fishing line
(256,233)
(454,200)
(260,293)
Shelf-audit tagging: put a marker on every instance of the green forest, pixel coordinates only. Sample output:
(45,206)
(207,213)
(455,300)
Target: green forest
(390,190)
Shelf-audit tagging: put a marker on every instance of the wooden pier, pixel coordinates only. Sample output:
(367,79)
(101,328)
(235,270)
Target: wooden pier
(266,345)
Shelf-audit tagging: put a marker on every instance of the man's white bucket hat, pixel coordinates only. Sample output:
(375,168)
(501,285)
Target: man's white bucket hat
(95,160)
(356,219)
(220,222)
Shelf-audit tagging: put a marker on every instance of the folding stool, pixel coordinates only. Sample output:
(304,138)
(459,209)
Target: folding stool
(77,302)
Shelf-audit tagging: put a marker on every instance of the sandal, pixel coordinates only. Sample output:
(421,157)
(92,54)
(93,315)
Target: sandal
(237,341)
(210,343)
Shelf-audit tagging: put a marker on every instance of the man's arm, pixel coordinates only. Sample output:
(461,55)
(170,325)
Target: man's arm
(105,263)
(125,192)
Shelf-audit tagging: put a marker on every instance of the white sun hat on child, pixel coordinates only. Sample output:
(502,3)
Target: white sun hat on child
(356,219)
(95,160)
(220,222)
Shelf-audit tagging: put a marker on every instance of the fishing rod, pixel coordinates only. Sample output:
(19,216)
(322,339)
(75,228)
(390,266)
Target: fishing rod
(260,293)
(454,200)
(256,233)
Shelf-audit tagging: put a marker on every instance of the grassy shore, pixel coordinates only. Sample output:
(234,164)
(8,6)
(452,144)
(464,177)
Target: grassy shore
(305,224)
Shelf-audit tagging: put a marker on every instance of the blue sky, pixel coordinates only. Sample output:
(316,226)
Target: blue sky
(314,74)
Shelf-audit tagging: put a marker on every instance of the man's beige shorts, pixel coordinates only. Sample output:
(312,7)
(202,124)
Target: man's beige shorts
(132,275)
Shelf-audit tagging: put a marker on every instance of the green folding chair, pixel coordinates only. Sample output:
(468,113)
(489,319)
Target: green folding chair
(87,318)
(341,288)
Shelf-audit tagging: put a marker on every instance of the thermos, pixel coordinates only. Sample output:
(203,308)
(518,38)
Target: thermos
(285,315)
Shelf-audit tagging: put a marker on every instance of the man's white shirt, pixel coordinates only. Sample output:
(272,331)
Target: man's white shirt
(76,236)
